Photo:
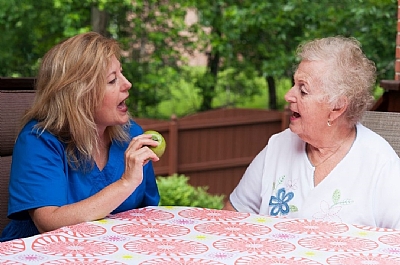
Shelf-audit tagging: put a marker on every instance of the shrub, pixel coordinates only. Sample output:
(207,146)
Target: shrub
(176,191)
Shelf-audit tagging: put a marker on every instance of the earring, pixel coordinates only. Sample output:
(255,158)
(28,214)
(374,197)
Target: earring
(329,123)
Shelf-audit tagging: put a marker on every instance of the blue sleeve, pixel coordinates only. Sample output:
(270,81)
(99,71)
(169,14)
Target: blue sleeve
(38,174)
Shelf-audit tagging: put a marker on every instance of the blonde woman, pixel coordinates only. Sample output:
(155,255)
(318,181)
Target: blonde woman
(79,156)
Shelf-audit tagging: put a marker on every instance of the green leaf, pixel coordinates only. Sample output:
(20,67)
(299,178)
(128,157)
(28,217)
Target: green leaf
(336,196)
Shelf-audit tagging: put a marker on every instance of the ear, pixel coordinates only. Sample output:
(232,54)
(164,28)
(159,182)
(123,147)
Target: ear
(339,108)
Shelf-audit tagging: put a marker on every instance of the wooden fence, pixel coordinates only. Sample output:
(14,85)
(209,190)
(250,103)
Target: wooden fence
(214,148)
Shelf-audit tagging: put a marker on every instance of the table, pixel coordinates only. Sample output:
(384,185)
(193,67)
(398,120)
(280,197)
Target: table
(185,235)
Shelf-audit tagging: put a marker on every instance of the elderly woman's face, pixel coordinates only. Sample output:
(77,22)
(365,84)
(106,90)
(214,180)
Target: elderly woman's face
(309,113)
(113,110)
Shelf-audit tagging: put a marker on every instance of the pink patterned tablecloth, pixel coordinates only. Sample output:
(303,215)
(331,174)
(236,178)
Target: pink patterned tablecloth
(184,235)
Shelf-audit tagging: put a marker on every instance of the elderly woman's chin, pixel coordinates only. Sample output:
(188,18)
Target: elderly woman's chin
(294,126)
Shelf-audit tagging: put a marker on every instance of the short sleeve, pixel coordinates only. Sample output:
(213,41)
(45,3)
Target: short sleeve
(388,195)
(246,197)
(38,174)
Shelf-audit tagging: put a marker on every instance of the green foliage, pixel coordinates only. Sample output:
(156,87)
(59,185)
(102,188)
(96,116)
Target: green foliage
(264,34)
(249,41)
(176,191)
(154,49)
(234,89)
(30,28)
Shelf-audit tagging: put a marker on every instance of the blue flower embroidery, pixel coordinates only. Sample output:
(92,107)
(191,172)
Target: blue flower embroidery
(280,202)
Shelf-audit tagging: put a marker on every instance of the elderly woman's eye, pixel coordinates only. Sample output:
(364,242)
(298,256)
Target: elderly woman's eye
(302,90)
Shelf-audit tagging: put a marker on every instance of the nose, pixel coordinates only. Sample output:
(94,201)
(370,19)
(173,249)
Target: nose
(289,96)
(125,83)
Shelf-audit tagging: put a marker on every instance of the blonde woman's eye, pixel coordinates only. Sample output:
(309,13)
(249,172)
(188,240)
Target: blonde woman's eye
(113,81)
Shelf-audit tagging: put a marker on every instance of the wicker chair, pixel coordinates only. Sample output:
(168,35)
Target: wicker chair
(13,103)
(386,124)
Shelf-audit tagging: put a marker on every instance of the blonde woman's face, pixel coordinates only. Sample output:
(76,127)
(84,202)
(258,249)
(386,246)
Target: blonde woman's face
(113,110)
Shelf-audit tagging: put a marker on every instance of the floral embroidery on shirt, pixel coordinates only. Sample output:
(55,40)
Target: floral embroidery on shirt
(279,204)
(331,212)
(291,184)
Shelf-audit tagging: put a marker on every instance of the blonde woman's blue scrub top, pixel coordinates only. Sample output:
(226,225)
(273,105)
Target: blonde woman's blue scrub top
(40,176)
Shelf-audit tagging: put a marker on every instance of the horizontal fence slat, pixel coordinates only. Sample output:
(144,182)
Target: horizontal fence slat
(206,166)
(236,121)
(212,165)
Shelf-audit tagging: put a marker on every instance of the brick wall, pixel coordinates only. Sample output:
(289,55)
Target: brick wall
(397,65)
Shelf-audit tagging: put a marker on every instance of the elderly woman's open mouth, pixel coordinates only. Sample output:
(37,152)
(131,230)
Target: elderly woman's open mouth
(296,114)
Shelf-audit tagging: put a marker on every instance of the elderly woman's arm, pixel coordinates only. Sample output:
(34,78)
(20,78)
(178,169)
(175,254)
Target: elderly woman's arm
(228,206)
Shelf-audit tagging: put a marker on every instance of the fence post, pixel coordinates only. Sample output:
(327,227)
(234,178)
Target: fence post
(285,118)
(173,146)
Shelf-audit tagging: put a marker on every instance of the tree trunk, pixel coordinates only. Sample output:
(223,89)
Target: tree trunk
(211,77)
(271,92)
(213,62)
(208,85)
(99,20)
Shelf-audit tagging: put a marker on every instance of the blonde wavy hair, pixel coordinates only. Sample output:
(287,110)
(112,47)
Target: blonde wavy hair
(70,87)
(351,74)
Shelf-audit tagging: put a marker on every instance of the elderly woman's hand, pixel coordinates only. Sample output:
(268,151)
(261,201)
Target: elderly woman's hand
(137,155)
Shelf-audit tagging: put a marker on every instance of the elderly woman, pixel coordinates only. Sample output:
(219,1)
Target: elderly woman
(327,165)
(79,156)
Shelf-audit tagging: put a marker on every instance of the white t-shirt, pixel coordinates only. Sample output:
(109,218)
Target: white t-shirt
(364,188)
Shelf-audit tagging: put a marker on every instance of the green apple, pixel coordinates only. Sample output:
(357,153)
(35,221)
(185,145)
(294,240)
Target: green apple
(160,148)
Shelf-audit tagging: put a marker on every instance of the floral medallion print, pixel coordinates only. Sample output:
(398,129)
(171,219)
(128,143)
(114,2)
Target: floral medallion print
(371,228)
(57,245)
(312,227)
(83,261)
(258,246)
(363,259)
(391,240)
(150,230)
(181,261)
(205,214)
(166,247)
(195,236)
(12,247)
(235,229)
(143,214)
(10,262)
(338,243)
(274,260)
(82,230)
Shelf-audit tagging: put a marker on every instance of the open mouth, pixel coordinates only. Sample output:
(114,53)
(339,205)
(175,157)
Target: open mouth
(122,105)
(296,114)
